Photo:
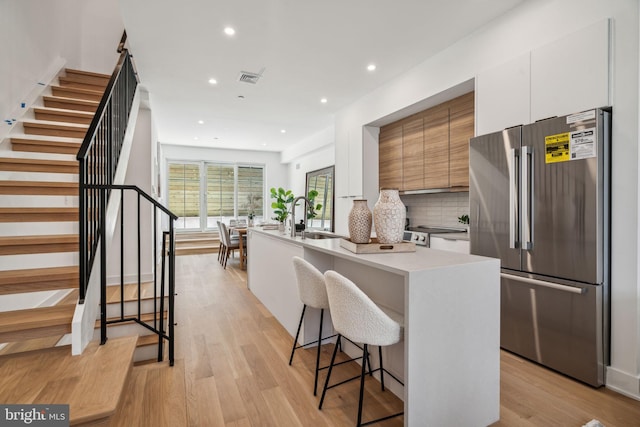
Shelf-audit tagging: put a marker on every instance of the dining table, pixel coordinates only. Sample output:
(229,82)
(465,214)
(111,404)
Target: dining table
(242,232)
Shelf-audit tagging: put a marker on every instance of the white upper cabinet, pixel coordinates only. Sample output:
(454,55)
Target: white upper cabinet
(571,74)
(502,96)
(566,76)
(349,159)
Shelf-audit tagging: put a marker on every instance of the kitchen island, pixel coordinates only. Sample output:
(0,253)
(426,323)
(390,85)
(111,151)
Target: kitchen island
(449,359)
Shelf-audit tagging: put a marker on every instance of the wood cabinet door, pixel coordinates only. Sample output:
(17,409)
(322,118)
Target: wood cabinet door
(436,147)
(412,155)
(390,156)
(461,129)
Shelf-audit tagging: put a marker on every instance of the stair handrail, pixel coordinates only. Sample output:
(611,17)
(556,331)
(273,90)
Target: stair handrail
(166,283)
(99,154)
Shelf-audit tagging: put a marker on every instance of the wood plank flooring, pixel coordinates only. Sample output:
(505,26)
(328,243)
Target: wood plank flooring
(232,370)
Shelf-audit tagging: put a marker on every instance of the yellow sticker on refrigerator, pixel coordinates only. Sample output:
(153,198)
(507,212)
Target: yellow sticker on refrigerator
(556,148)
(562,147)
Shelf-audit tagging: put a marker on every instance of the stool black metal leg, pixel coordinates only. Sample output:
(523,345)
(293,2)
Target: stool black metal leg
(381,367)
(326,381)
(365,356)
(315,382)
(295,341)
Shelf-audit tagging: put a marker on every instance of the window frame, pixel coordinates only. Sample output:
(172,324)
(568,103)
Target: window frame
(203,198)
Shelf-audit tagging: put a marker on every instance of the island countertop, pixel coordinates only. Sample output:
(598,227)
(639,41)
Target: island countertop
(395,262)
(449,357)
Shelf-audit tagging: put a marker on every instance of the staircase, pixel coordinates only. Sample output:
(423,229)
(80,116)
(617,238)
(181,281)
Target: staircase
(39,231)
(39,215)
(197,243)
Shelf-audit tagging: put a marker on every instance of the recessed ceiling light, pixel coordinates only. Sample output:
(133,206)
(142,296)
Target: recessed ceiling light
(200,122)
(283,131)
(264,144)
(229,31)
(213,81)
(323,100)
(371,67)
(195,138)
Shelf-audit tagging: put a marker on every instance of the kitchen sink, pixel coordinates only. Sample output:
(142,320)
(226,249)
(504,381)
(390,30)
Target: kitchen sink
(317,235)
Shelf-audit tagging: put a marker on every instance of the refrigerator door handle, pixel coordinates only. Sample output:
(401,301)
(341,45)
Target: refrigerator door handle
(527,191)
(542,283)
(513,199)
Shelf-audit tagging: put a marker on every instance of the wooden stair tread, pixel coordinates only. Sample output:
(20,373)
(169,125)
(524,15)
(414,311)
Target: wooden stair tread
(43,209)
(36,240)
(54,125)
(88,73)
(77,90)
(39,317)
(87,105)
(38,279)
(39,214)
(38,166)
(131,292)
(80,82)
(38,184)
(78,101)
(144,340)
(38,244)
(46,188)
(32,345)
(63,115)
(90,383)
(32,274)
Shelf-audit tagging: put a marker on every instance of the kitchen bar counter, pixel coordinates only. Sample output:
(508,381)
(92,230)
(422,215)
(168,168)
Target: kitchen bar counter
(449,358)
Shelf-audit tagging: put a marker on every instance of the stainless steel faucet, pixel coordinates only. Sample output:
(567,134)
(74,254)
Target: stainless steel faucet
(307,203)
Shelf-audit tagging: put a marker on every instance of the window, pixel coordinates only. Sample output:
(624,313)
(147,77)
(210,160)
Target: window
(184,194)
(203,193)
(322,181)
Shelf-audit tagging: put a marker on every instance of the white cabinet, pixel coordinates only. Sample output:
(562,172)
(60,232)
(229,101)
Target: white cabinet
(349,164)
(452,245)
(502,96)
(571,74)
(566,76)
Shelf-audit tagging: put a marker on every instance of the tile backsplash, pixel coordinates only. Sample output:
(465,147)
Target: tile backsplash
(436,209)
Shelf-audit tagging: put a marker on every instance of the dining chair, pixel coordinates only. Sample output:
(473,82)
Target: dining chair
(229,245)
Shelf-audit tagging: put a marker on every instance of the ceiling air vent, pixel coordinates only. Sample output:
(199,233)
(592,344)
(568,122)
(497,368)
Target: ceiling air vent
(249,77)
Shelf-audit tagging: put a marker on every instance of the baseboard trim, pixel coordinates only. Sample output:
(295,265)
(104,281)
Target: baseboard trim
(623,383)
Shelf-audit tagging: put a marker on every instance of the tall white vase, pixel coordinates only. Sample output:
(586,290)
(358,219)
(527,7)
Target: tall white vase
(389,215)
(360,222)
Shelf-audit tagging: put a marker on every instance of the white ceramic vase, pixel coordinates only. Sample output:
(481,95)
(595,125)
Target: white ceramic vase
(389,215)
(360,222)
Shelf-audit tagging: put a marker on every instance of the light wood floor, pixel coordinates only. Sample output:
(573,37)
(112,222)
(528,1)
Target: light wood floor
(232,370)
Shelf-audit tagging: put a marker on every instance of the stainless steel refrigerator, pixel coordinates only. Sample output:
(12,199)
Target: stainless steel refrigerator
(539,199)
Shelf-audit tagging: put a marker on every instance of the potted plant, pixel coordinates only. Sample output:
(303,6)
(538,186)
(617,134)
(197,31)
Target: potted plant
(281,205)
(311,210)
(253,202)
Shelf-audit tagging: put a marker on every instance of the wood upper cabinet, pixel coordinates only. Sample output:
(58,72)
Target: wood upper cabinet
(461,127)
(436,147)
(429,150)
(412,154)
(390,156)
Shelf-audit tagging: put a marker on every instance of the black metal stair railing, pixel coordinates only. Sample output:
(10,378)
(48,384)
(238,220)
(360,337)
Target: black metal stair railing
(98,159)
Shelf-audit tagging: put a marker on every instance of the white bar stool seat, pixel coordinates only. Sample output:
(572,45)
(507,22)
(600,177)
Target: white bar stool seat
(359,319)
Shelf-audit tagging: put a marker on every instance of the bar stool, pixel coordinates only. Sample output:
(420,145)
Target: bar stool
(359,319)
(312,293)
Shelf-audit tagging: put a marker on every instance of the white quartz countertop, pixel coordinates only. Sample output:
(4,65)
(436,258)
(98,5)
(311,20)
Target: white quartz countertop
(397,262)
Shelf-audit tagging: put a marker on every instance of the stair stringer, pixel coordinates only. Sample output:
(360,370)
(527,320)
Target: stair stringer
(84,317)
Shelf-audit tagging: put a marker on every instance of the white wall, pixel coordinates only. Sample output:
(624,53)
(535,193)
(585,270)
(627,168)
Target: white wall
(39,35)
(140,174)
(521,30)
(275,172)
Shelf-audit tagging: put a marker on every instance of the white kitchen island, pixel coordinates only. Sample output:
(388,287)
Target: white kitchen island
(449,359)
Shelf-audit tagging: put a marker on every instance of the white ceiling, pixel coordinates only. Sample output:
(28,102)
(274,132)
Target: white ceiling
(308,50)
